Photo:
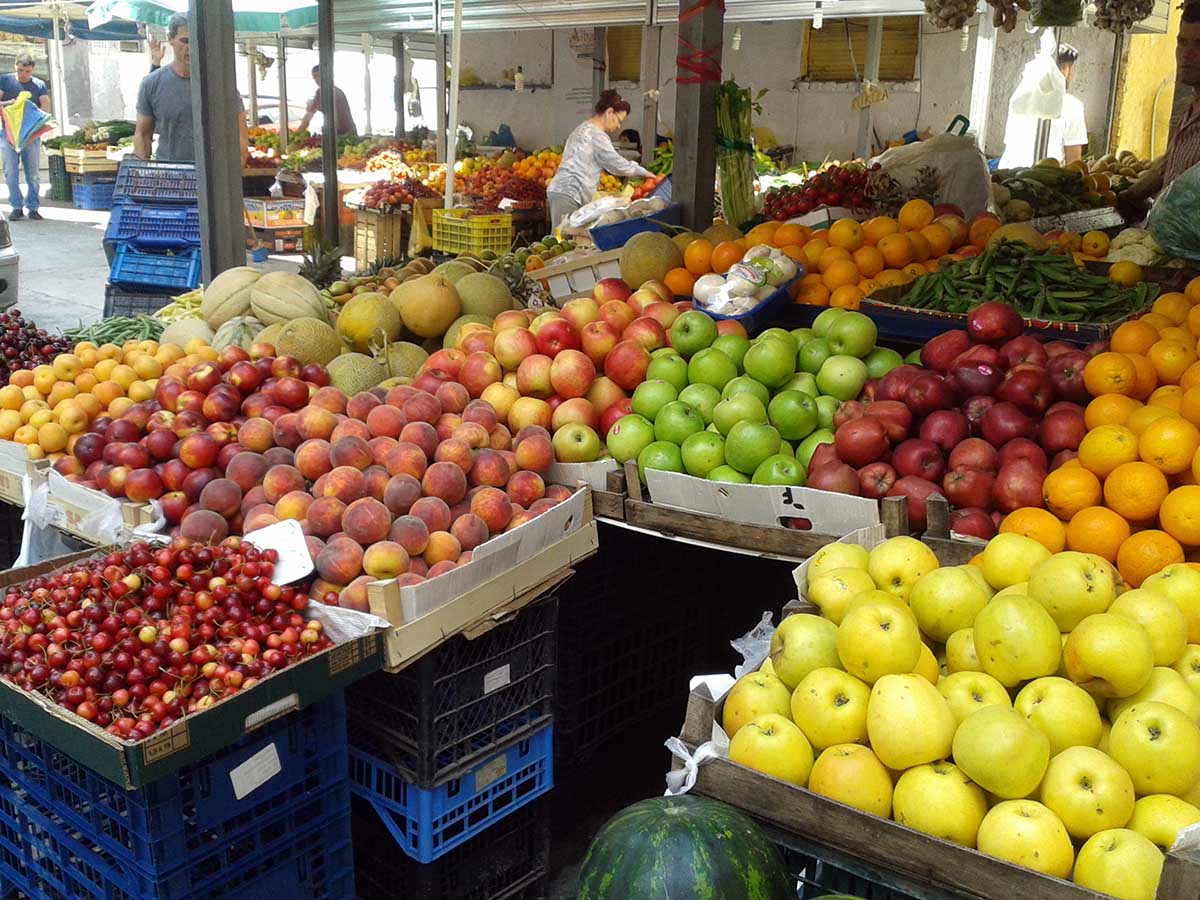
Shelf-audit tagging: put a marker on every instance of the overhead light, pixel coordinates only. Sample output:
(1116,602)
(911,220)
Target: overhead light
(818,16)
(736,43)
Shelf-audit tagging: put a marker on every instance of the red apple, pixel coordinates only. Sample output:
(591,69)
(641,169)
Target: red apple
(894,385)
(975,453)
(664,313)
(581,311)
(613,412)
(647,332)
(598,338)
(895,416)
(972,522)
(617,314)
(1021,448)
(917,491)
(941,351)
(876,479)
(512,346)
(968,487)
(981,353)
(919,457)
(837,477)
(994,323)
(556,335)
(1062,430)
(610,289)
(1018,484)
(1065,373)
(848,412)
(1027,388)
(626,364)
(824,455)
(974,409)
(927,393)
(1024,348)
(973,378)
(1054,348)
(861,441)
(1002,422)
(946,428)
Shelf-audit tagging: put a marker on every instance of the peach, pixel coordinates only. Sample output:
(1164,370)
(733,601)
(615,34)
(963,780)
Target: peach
(376,481)
(315,545)
(350,451)
(422,407)
(315,422)
(318,486)
(280,480)
(325,516)
(444,480)
(293,505)
(501,438)
(474,434)
(417,566)
(329,398)
(527,431)
(423,434)
(340,561)
(542,505)
(456,451)
(535,453)
(385,421)
(222,496)
(410,579)
(350,428)
(279,456)
(518,519)
(366,521)
(441,568)
(254,497)
(257,435)
(259,518)
(453,396)
(446,425)
(411,533)
(204,525)
(492,507)
(443,547)
(526,488)
(397,395)
(380,446)
(354,595)
(511,458)
(470,531)
(407,459)
(433,511)
(246,469)
(312,459)
(285,431)
(490,469)
(558,493)
(480,412)
(346,483)
(385,559)
(321,589)
(401,492)
(361,404)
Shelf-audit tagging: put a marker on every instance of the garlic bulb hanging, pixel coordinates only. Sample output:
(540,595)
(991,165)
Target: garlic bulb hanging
(1118,16)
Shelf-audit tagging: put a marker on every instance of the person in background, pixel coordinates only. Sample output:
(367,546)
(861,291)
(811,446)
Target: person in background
(344,121)
(631,136)
(30,156)
(588,153)
(1068,133)
(1183,148)
(156,54)
(164,104)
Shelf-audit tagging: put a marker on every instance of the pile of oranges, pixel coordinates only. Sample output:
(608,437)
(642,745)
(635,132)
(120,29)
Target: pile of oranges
(539,167)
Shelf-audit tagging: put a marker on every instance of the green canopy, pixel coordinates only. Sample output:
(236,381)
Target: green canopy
(257,16)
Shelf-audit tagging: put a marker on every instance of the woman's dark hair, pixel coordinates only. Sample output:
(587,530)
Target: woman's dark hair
(1191,12)
(611,99)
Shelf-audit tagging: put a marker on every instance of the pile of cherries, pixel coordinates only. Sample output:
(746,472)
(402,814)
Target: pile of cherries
(25,346)
(135,640)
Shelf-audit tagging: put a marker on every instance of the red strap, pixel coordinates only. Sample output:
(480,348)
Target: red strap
(703,64)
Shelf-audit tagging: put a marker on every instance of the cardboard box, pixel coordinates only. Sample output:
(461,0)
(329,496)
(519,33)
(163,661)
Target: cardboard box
(91,515)
(279,240)
(15,468)
(192,738)
(571,275)
(271,212)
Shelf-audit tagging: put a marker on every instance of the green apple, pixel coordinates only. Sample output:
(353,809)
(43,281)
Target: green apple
(852,334)
(659,455)
(787,450)
(702,452)
(676,421)
(779,469)
(692,332)
(739,408)
(713,367)
(703,398)
(826,407)
(728,474)
(734,346)
(576,443)
(805,383)
(783,334)
(842,377)
(802,336)
(744,384)
(808,446)
(771,361)
(793,414)
(629,436)
(822,323)
(651,396)
(673,368)
(882,360)
(663,351)
(748,444)
(914,358)
(812,355)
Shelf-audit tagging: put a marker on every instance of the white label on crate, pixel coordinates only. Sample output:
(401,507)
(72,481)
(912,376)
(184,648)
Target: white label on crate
(272,711)
(287,539)
(497,678)
(256,771)
(491,771)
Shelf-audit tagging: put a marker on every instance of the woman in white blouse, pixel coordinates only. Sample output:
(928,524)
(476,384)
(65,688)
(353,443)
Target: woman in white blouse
(588,153)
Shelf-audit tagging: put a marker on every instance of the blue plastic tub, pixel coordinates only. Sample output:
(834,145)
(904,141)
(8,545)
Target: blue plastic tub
(150,181)
(614,236)
(162,228)
(138,270)
(92,195)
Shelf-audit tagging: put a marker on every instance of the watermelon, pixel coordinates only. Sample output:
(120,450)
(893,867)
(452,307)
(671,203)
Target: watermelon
(677,847)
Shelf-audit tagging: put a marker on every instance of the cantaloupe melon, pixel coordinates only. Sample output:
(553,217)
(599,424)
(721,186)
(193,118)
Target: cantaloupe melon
(309,340)
(183,330)
(270,334)
(228,295)
(404,358)
(1018,231)
(283,296)
(428,305)
(648,256)
(453,270)
(483,295)
(351,373)
(369,318)
(722,231)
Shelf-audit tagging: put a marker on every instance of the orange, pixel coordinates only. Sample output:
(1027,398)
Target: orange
(1180,515)
(981,229)
(1156,320)
(915,270)
(796,252)
(939,238)
(1190,377)
(1037,524)
(762,233)
(1141,419)
(1193,320)
(915,214)
(1146,379)
(847,234)
(1189,405)
(1169,444)
(1174,305)
(868,286)
(1135,490)
(891,278)
(1125,273)
(869,260)
(1169,396)
(1178,333)
(724,255)
(1171,359)
(875,230)
(1094,243)
(831,255)
(1146,552)
(789,234)
(1110,373)
(1098,530)
(933,265)
(697,258)
(813,293)
(921,248)
(1068,489)
(1135,336)
(1109,409)
(813,250)
(1070,242)
(680,281)
(1105,448)
(896,250)
(839,273)
(848,296)
(1192,291)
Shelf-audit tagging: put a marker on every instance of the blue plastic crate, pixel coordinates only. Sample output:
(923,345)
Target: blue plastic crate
(614,236)
(133,268)
(757,318)
(429,823)
(151,181)
(92,195)
(162,228)
(168,823)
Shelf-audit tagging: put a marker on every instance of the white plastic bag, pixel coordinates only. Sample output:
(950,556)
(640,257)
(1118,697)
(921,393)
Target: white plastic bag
(963,167)
(1042,86)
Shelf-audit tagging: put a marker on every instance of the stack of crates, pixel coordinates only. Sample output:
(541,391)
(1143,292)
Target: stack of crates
(448,758)
(153,236)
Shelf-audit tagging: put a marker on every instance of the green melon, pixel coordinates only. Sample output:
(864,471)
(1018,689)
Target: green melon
(483,295)
(404,358)
(352,373)
(451,337)
(453,270)
(686,847)
(648,256)
(308,340)
(722,232)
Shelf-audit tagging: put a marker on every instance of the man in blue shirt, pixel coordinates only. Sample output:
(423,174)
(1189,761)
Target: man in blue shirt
(31,154)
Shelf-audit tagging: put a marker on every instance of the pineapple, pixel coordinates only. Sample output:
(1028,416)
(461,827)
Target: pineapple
(323,266)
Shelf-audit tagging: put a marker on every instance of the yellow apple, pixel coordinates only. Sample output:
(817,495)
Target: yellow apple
(908,722)
(1073,586)
(1164,622)
(1021,589)
(1192,794)
(1166,686)
(751,696)
(946,600)
(1121,863)
(1188,665)
(878,597)
(1105,734)
(1009,558)
(1088,790)
(1028,834)
(927,666)
(876,640)
(1064,712)
(960,652)
(852,774)
(833,591)
(830,706)
(898,563)
(768,667)
(1160,817)
(967,692)
(1109,655)
(801,643)
(1159,747)
(1001,752)
(837,555)
(1016,640)
(773,745)
(977,573)
(1181,584)
(938,799)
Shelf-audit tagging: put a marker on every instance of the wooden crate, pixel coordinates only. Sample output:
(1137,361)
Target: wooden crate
(379,235)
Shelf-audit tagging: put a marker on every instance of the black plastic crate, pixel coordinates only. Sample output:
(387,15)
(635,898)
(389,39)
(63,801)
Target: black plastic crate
(60,179)
(820,872)
(508,861)
(152,181)
(118,302)
(459,703)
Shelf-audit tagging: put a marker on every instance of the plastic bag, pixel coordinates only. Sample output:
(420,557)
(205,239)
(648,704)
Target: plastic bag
(419,237)
(965,179)
(1173,221)
(1042,86)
